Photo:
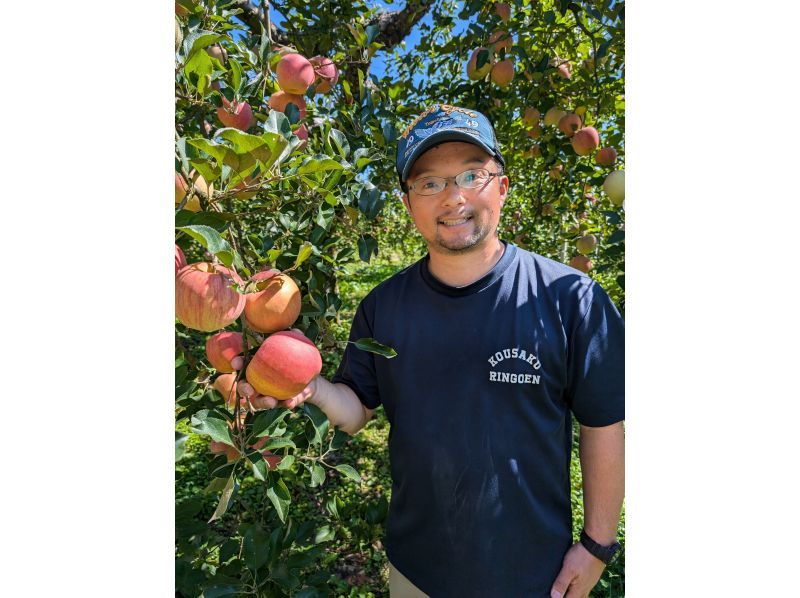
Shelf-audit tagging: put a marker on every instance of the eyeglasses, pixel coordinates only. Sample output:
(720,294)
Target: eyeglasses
(469,179)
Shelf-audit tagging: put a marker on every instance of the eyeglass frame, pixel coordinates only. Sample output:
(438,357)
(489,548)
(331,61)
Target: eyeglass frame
(447,179)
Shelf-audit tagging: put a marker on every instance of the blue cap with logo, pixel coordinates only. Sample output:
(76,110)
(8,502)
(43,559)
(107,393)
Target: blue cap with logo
(441,122)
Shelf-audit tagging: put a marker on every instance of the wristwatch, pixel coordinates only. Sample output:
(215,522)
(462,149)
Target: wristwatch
(607,554)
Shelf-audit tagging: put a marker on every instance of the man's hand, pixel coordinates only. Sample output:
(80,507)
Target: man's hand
(259,402)
(579,573)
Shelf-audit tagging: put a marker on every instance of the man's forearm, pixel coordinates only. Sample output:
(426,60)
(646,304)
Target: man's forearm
(341,405)
(602,455)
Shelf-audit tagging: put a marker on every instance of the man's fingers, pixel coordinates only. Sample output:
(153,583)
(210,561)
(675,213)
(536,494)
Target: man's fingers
(245,389)
(237,362)
(263,402)
(561,583)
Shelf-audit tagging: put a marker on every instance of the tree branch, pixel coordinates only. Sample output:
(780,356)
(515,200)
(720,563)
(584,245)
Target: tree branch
(254,17)
(396,25)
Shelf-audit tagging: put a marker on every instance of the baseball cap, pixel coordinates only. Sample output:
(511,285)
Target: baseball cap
(442,122)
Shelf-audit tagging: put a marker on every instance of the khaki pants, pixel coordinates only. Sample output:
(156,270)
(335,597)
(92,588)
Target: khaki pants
(401,587)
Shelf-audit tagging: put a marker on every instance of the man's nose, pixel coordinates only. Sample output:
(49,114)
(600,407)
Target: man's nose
(453,194)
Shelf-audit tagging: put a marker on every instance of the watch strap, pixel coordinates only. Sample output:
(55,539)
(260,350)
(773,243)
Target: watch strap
(604,553)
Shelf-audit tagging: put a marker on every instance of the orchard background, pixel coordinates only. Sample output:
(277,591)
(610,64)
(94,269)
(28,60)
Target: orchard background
(309,188)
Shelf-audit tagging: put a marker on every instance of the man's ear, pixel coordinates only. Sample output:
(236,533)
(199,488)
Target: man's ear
(504,183)
(407,204)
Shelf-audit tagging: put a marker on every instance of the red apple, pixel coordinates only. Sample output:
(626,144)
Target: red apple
(284,365)
(585,141)
(223,348)
(204,299)
(606,156)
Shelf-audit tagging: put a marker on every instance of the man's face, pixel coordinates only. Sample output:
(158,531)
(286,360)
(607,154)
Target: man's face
(439,217)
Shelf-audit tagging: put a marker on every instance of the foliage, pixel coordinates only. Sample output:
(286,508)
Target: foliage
(322,211)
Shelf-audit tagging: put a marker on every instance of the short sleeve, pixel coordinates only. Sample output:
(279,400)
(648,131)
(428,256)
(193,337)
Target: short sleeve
(357,367)
(596,362)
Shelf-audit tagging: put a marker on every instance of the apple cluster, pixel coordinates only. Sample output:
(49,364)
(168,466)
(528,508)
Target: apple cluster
(295,75)
(585,141)
(208,298)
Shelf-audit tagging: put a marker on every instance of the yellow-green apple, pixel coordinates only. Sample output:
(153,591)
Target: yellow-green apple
(531,116)
(586,244)
(614,186)
(552,116)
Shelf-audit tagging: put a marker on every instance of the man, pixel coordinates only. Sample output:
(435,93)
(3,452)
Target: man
(496,348)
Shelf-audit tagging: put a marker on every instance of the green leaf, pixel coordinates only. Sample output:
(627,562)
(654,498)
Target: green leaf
(339,439)
(482,58)
(305,251)
(267,421)
(207,169)
(372,32)
(339,141)
(361,157)
(198,70)
(255,547)
(225,498)
(236,75)
(215,485)
(317,163)
(616,237)
(245,143)
(220,591)
(219,152)
(324,534)
(317,475)
(212,241)
(319,421)
(278,123)
(276,443)
(219,221)
(197,41)
(286,463)
(292,112)
(367,246)
(377,511)
(325,216)
(612,217)
(180,443)
(369,202)
(349,472)
(279,495)
(358,34)
(211,424)
(373,346)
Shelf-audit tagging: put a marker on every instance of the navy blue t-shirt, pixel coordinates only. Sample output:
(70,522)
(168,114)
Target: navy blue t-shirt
(479,398)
